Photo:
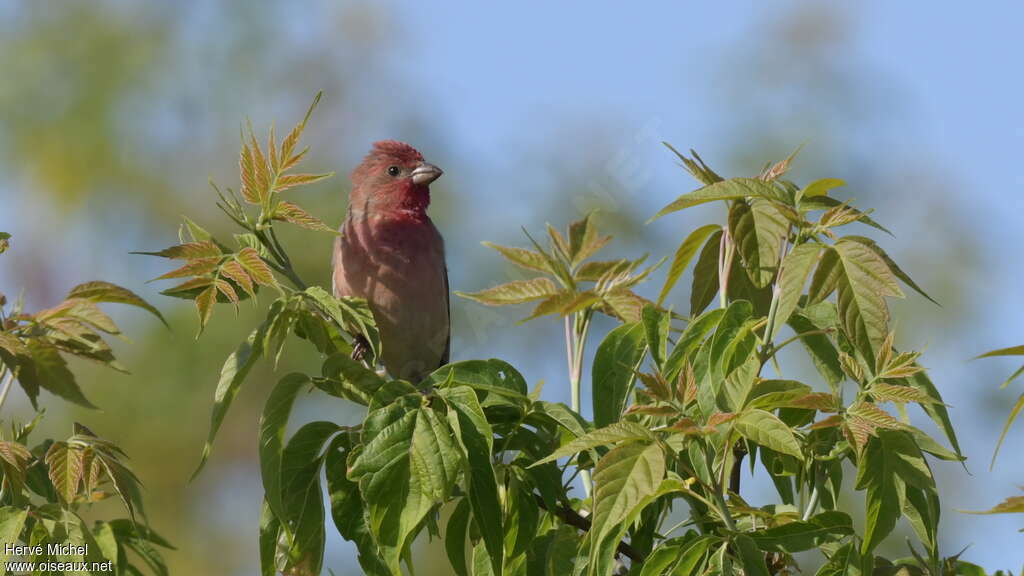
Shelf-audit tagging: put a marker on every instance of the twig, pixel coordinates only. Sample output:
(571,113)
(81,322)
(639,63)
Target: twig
(739,450)
(572,518)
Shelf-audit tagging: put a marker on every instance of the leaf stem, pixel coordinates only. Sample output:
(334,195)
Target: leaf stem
(812,504)
(725,254)
(575,342)
(8,379)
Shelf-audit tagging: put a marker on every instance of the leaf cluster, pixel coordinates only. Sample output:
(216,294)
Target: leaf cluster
(45,488)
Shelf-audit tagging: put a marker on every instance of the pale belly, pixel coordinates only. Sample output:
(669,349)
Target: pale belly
(398,266)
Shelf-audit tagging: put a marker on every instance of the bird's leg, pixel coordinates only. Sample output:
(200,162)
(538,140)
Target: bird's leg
(360,348)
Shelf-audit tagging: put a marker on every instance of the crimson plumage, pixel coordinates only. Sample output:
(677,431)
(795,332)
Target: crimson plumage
(391,254)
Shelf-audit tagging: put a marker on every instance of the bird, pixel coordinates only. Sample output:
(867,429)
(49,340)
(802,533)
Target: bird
(391,254)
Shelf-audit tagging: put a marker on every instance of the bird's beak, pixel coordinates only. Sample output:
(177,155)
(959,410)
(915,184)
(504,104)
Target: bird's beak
(426,173)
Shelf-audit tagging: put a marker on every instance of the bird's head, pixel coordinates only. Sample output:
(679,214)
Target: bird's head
(393,178)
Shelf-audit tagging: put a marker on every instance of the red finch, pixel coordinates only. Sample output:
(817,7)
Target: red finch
(391,254)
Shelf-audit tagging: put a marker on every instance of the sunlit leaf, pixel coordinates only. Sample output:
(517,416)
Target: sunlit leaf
(764,428)
(803,535)
(302,496)
(731,189)
(107,292)
(613,433)
(515,292)
(474,434)
(528,259)
(624,477)
(189,251)
(613,371)
(684,254)
(758,230)
(64,466)
(822,187)
(795,269)
(863,285)
(256,267)
(705,275)
(293,213)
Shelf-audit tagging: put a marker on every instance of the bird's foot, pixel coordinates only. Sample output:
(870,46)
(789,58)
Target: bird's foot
(360,348)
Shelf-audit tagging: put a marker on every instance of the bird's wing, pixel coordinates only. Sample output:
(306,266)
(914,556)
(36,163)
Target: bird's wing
(448,306)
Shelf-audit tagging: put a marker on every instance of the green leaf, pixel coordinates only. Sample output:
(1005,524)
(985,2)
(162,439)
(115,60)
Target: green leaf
(64,467)
(889,462)
(826,277)
(48,370)
(684,254)
(495,380)
(863,285)
(678,556)
(750,557)
(731,189)
(822,187)
(825,202)
(346,378)
(528,259)
(273,423)
(408,465)
(584,241)
(295,214)
(351,314)
(936,410)
(250,259)
(656,323)
(765,429)
(922,511)
(758,229)
(475,436)
(12,520)
(612,375)
(623,431)
(515,292)
(1011,351)
(892,265)
(81,539)
(455,537)
(732,331)
(302,497)
(347,505)
(823,353)
(623,479)
(690,339)
(270,530)
(798,536)
(107,292)
(189,251)
(561,415)
(795,269)
(233,374)
(847,561)
(705,275)
(1017,407)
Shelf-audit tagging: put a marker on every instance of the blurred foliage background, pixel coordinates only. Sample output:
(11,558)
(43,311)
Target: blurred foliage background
(113,113)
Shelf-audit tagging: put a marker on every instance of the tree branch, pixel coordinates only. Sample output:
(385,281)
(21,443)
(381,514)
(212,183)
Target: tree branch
(572,518)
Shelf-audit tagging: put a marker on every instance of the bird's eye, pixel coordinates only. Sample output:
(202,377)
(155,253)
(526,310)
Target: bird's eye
(393,170)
